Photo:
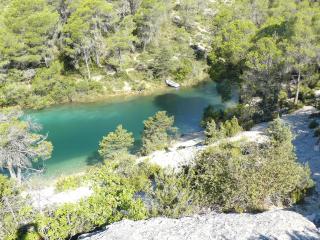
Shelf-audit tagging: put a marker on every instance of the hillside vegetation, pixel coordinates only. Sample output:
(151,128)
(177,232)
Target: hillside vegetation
(62,51)
(56,51)
(271,49)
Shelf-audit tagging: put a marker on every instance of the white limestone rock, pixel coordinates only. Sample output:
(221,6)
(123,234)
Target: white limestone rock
(276,224)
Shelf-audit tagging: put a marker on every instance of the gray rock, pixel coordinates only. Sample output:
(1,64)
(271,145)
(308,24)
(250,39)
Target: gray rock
(277,224)
(177,20)
(29,74)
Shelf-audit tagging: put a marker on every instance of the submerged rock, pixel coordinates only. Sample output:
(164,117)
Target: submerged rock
(277,224)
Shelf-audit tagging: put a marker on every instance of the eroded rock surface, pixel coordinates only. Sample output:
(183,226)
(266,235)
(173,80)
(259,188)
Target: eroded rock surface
(277,224)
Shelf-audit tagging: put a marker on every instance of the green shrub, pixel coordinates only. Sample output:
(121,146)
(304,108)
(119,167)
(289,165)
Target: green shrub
(241,178)
(212,133)
(183,70)
(158,132)
(68,183)
(137,174)
(210,113)
(172,196)
(294,107)
(306,94)
(112,200)
(247,115)
(283,98)
(313,124)
(15,210)
(116,143)
(230,127)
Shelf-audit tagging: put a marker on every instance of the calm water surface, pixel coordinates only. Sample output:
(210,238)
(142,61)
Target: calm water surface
(76,129)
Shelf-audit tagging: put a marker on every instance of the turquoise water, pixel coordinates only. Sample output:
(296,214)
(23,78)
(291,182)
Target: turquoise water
(76,129)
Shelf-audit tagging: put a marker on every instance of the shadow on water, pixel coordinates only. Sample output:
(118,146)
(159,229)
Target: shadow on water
(94,159)
(187,110)
(136,146)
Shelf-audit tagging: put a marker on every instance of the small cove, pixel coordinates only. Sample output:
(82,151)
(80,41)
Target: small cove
(76,129)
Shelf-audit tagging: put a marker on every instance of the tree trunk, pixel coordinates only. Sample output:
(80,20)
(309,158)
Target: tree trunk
(120,58)
(18,175)
(97,58)
(12,172)
(87,63)
(298,88)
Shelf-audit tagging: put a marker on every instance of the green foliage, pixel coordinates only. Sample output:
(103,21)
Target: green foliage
(172,196)
(14,209)
(111,201)
(224,128)
(280,133)
(244,177)
(83,32)
(157,133)
(306,94)
(212,132)
(116,143)
(230,127)
(88,49)
(262,48)
(68,183)
(313,124)
(183,70)
(27,29)
(20,144)
(149,18)
(210,113)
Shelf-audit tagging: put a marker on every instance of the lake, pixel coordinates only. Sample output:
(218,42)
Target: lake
(76,129)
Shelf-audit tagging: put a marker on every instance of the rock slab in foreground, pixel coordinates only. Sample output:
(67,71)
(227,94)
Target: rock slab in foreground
(277,224)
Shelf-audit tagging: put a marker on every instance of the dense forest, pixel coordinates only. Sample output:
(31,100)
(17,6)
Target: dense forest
(62,51)
(57,51)
(271,49)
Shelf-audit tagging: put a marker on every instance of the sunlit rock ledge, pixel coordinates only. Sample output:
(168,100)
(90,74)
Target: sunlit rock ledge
(276,224)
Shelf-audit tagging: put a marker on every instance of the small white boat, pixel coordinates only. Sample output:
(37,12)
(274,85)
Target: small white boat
(172,83)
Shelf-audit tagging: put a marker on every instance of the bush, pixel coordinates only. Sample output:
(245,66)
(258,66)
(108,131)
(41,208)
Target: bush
(111,201)
(212,133)
(68,183)
(247,115)
(157,133)
(183,70)
(138,174)
(230,127)
(249,177)
(313,124)
(116,143)
(172,196)
(210,113)
(306,94)
(244,177)
(15,210)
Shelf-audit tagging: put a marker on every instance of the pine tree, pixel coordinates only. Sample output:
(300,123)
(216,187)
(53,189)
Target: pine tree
(116,143)
(157,132)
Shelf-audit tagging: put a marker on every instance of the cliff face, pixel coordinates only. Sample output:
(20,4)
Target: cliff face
(277,224)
